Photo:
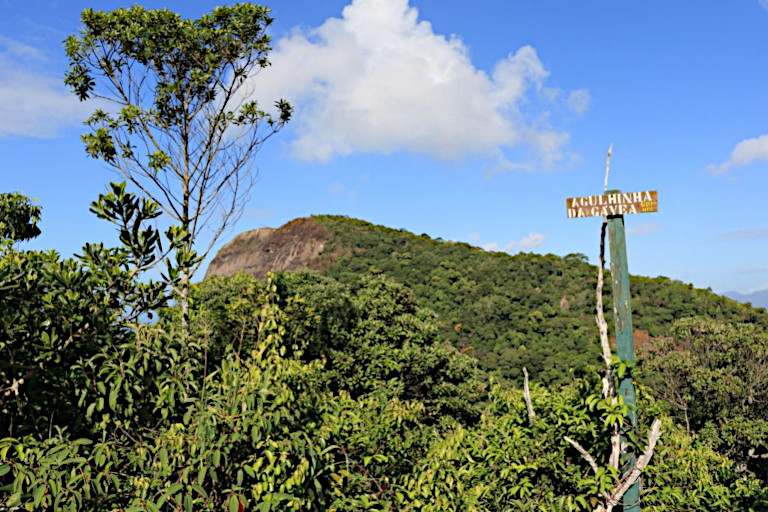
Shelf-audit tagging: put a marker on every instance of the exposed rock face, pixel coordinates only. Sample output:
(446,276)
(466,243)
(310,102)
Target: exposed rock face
(298,245)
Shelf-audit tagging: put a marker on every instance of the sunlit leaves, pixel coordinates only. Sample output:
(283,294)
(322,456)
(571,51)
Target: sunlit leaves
(18,218)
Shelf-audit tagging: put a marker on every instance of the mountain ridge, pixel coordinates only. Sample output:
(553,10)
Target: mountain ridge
(758,299)
(509,311)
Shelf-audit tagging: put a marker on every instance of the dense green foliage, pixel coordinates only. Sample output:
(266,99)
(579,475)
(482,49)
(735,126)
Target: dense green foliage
(299,393)
(513,311)
(372,337)
(52,311)
(714,378)
(18,218)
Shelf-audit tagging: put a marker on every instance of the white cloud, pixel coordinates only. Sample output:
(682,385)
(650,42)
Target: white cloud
(474,237)
(32,103)
(746,152)
(528,242)
(579,100)
(643,229)
(763,4)
(379,80)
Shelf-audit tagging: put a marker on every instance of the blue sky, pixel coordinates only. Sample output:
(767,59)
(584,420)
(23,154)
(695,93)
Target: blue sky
(466,122)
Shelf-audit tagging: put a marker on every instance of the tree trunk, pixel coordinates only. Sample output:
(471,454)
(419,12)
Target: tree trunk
(184,302)
(185,270)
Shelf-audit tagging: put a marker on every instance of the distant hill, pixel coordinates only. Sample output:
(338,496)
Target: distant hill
(508,310)
(758,299)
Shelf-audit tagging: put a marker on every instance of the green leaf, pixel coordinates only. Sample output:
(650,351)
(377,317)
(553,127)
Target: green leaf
(14,500)
(187,503)
(113,397)
(174,488)
(37,495)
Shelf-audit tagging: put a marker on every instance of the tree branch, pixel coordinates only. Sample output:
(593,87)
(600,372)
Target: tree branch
(527,395)
(642,461)
(607,167)
(584,453)
(609,386)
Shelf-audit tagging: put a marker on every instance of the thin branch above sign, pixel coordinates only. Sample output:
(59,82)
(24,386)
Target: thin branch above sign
(613,204)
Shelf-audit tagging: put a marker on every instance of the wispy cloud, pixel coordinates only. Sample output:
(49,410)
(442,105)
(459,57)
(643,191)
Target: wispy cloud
(33,103)
(759,288)
(643,229)
(579,100)
(763,4)
(338,189)
(20,50)
(528,242)
(474,237)
(746,152)
(746,234)
(380,80)
(753,270)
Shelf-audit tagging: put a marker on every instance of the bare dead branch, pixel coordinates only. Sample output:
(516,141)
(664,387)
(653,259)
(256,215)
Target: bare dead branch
(527,395)
(609,386)
(607,168)
(602,326)
(584,453)
(633,474)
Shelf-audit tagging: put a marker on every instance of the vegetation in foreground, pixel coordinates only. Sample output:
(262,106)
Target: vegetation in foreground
(302,392)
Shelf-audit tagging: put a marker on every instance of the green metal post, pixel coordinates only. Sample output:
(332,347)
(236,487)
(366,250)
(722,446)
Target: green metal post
(625,348)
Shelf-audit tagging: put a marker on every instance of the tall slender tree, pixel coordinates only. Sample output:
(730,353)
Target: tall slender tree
(174,115)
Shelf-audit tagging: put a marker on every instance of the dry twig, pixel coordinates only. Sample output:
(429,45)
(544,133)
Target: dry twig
(527,395)
(584,453)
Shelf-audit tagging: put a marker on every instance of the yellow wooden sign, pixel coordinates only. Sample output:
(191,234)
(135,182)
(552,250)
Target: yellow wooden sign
(613,204)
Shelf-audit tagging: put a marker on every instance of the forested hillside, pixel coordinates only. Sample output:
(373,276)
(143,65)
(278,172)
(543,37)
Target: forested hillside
(508,311)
